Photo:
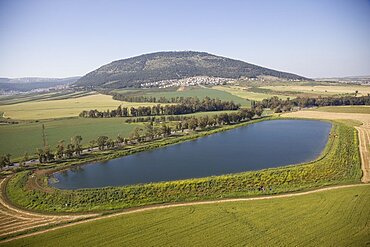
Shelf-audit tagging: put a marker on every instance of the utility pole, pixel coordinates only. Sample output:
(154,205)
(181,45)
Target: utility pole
(44,136)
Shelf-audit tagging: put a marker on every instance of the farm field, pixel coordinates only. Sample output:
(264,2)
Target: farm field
(321,90)
(339,217)
(345,109)
(243,92)
(17,139)
(62,107)
(188,92)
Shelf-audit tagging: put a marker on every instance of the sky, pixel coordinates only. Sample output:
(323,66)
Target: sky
(62,38)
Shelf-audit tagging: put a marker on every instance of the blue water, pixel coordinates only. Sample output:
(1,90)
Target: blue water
(261,145)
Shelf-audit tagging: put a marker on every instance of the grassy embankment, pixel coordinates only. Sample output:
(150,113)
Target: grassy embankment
(339,164)
(328,218)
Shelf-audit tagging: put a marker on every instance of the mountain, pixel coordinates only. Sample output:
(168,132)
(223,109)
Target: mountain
(153,67)
(30,83)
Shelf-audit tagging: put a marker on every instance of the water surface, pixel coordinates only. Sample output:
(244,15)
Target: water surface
(261,145)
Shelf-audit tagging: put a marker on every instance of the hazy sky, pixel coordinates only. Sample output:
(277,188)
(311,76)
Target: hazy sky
(313,38)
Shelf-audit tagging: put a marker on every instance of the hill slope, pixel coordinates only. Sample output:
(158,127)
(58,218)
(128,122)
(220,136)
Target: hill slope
(131,72)
(31,83)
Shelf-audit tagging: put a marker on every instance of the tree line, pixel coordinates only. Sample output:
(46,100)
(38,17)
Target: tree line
(189,105)
(149,132)
(152,99)
(280,105)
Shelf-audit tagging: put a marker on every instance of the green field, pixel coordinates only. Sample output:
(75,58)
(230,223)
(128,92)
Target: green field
(323,90)
(17,139)
(188,92)
(345,109)
(244,93)
(21,98)
(331,218)
(59,107)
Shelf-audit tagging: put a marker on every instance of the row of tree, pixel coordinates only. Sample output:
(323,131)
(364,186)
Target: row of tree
(141,98)
(149,132)
(279,105)
(206,121)
(62,150)
(191,105)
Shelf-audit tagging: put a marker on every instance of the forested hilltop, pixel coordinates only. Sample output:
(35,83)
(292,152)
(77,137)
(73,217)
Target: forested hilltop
(161,66)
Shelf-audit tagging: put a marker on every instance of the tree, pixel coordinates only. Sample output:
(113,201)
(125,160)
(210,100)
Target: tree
(136,135)
(69,150)
(203,122)
(119,140)
(102,142)
(49,156)
(92,144)
(258,110)
(40,155)
(76,141)
(60,149)
(5,160)
(149,131)
(165,130)
(192,123)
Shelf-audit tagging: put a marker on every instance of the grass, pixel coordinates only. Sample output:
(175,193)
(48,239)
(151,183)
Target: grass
(17,139)
(189,92)
(345,109)
(339,164)
(330,218)
(62,107)
(19,98)
(243,92)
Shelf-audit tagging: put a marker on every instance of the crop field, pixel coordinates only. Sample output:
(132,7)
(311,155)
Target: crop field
(62,107)
(338,217)
(189,92)
(243,92)
(322,90)
(20,98)
(345,109)
(17,139)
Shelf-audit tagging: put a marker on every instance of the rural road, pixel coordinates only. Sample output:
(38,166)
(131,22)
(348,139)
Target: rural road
(14,220)
(164,206)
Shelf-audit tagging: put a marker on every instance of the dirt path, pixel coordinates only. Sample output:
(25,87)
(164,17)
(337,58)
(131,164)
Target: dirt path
(14,220)
(363,133)
(149,208)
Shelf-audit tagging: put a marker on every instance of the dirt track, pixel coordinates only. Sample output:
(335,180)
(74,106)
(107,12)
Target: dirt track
(363,133)
(149,208)
(14,220)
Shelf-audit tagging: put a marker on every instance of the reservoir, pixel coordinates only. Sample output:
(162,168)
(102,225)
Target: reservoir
(257,146)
